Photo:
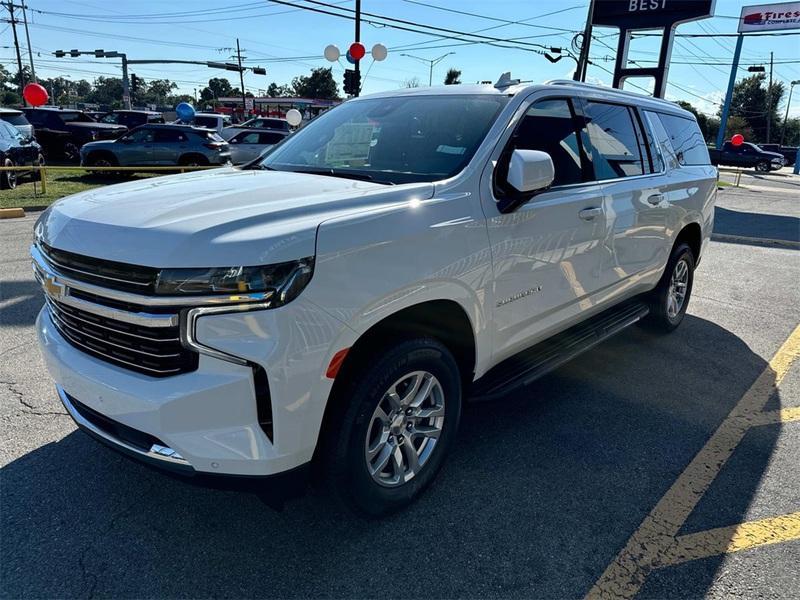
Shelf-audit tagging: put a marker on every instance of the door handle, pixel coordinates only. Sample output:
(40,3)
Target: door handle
(655,199)
(587,214)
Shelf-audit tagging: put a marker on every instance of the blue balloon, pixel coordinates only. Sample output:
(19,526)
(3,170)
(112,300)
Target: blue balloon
(350,59)
(185,111)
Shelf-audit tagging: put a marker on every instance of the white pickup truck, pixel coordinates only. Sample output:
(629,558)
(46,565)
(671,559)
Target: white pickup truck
(334,304)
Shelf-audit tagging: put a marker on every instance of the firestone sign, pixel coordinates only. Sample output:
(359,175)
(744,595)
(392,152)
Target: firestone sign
(769,17)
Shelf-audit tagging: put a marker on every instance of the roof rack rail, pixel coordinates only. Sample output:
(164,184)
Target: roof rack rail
(596,86)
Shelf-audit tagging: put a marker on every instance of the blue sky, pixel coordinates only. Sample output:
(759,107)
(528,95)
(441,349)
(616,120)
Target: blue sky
(289,42)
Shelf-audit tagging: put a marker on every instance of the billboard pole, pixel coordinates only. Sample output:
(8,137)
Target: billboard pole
(726,107)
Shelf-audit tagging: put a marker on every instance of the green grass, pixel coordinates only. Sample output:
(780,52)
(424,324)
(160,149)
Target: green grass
(59,184)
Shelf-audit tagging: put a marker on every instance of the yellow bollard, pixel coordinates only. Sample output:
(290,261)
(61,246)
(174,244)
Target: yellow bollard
(43,179)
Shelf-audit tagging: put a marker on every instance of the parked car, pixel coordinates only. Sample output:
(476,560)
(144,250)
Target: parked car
(256,123)
(131,118)
(746,155)
(17,119)
(62,132)
(789,153)
(212,121)
(337,302)
(248,145)
(17,150)
(159,145)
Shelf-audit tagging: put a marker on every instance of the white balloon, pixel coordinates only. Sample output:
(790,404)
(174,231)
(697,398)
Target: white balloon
(379,52)
(294,117)
(332,53)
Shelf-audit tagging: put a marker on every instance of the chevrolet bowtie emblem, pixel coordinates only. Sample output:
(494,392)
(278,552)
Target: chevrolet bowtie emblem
(52,288)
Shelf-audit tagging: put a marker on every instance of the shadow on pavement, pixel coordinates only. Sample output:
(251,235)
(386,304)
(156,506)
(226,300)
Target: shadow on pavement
(22,300)
(541,492)
(759,225)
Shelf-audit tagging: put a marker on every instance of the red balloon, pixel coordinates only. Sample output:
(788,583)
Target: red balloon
(357,50)
(737,140)
(35,94)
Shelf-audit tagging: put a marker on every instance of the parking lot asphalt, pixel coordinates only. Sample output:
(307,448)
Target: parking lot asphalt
(657,466)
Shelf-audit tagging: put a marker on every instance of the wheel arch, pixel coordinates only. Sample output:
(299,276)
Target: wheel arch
(691,234)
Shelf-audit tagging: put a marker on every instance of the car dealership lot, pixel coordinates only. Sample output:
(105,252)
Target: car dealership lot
(543,490)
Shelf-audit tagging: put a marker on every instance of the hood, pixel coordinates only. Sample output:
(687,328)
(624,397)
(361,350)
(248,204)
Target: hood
(772,154)
(214,218)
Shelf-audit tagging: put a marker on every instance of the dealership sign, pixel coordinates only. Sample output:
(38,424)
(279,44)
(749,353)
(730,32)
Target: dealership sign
(644,14)
(769,17)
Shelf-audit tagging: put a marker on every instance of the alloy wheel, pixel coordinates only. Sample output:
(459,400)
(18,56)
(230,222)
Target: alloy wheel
(678,284)
(405,428)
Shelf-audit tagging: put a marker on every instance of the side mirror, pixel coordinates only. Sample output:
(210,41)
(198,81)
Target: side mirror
(530,171)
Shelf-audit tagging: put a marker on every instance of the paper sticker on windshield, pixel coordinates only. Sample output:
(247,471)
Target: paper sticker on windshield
(350,145)
(451,149)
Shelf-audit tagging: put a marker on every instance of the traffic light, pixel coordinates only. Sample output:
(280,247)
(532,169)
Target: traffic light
(134,84)
(352,82)
(259,71)
(59,54)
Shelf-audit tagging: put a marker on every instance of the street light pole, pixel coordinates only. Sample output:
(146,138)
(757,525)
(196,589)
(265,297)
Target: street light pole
(769,98)
(431,62)
(786,116)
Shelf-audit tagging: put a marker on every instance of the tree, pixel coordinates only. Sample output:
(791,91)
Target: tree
(106,90)
(218,87)
(158,91)
(279,91)
(8,93)
(411,82)
(749,102)
(453,77)
(319,84)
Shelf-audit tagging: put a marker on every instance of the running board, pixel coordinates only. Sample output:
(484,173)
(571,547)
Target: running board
(523,368)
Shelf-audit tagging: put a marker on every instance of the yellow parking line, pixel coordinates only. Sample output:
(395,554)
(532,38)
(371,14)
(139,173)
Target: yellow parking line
(725,540)
(649,545)
(773,417)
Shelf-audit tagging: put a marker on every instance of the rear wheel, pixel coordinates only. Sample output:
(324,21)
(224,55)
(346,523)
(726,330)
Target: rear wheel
(395,424)
(72,153)
(103,160)
(668,302)
(8,179)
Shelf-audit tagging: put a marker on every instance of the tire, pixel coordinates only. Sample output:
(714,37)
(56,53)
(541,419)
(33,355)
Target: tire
(8,179)
(102,159)
(667,307)
(72,153)
(366,430)
(193,160)
(762,167)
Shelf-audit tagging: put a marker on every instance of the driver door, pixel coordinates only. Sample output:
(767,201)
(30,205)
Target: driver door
(546,252)
(137,147)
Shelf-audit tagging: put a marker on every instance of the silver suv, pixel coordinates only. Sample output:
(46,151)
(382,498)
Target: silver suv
(159,145)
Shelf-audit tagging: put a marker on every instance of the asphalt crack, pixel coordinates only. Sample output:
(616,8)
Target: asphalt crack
(27,407)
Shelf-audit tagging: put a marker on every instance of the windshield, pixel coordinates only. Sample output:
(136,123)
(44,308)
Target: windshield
(402,139)
(206,121)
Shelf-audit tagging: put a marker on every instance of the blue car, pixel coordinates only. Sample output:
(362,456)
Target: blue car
(159,145)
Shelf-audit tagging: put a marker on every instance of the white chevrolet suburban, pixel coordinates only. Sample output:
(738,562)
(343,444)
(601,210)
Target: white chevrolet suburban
(334,303)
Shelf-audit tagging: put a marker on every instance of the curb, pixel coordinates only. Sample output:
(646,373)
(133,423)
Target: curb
(741,239)
(11,213)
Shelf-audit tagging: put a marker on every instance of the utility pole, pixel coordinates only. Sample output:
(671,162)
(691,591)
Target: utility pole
(786,116)
(241,78)
(431,62)
(769,98)
(28,37)
(358,39)
(583,58)
(13,21)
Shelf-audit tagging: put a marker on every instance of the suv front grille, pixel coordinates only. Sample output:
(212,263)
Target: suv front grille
(106,273)
(154,351)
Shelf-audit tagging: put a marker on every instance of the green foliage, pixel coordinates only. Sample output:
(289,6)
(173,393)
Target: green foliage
(749,103)
(319,84)
(453,77)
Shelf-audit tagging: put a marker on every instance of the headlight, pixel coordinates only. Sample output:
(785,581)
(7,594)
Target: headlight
(286,280)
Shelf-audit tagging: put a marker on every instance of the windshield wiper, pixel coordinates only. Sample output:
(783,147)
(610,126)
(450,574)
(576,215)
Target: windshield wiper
(330,172)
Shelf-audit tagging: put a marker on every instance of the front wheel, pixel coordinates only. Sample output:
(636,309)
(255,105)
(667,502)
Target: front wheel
(762,167)
(8,179)
(394,427)
(668,302)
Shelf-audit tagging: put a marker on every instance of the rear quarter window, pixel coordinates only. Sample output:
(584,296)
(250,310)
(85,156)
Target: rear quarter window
(686,139)
(15,119)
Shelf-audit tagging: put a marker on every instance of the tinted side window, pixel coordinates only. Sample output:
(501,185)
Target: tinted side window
(166,136)
(550,126)
(36,118)
(270,138)
(615,145)
(687,140)
(247,138)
